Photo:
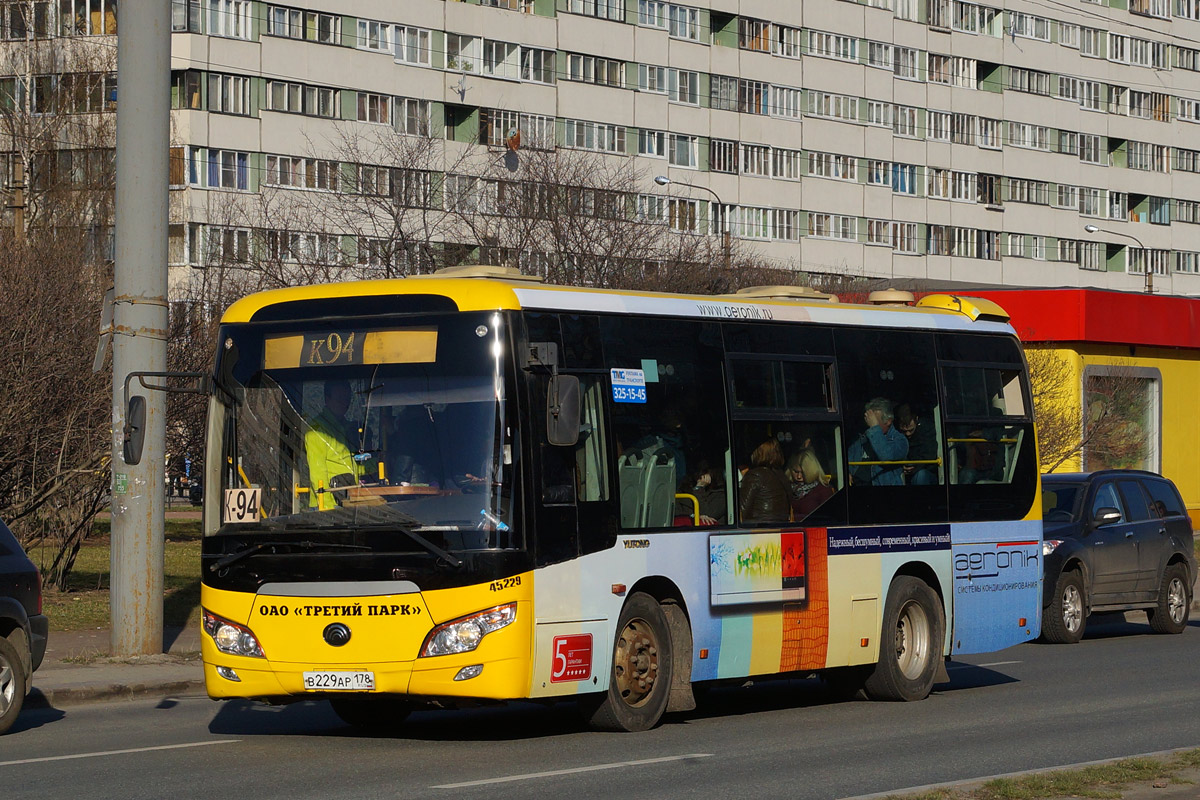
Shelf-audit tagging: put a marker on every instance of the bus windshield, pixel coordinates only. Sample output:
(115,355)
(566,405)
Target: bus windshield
(326,426)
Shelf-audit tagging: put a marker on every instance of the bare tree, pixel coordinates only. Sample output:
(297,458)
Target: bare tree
(56,129)
(1100,421)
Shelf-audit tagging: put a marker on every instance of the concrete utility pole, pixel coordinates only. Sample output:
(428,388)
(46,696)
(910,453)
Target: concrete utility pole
(140,320)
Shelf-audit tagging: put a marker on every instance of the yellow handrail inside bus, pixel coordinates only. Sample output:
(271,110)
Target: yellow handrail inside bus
(695,505)
(871,463)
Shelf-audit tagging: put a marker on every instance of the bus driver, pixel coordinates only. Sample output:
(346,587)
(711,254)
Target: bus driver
(327,444)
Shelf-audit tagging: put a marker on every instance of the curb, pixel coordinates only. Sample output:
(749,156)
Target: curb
(103,693)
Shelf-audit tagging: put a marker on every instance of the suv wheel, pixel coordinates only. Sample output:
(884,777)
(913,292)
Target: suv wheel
(1065,617)
(1170,615)
(12,684)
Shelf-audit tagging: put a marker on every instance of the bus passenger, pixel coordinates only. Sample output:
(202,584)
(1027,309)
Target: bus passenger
(922,446)
(328,445)
(879,443)
(810,484)
(708,487)
(765,495)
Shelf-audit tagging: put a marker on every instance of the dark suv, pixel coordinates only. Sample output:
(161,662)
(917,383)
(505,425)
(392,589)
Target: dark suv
(23,627)
(1114,540)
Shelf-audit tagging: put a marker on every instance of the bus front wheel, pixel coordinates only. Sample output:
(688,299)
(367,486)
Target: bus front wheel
(914,630)
(641,672)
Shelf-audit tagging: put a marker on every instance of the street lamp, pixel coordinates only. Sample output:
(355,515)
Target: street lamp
(1146,255)
(726,243)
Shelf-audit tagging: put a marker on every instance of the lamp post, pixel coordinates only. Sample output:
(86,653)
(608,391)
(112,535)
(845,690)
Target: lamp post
(726,243)
(1149,271)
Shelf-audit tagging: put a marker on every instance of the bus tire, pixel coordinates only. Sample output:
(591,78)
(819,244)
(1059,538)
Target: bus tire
(1170,614)
(1065,617)
(640,683)
(910,647)
(374,714)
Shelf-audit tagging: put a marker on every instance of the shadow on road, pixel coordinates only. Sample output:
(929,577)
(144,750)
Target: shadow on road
(528,720)
(36,713)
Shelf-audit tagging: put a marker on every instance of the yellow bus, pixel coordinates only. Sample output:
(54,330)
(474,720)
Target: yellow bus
(473,486)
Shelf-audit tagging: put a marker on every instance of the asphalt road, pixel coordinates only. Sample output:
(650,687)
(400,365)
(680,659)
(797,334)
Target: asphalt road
(1122,691)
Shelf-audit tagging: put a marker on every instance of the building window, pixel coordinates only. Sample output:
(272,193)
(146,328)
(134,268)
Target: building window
(597,136)
(683,22)
(786,163)
(682,151)
(652,143)
(374,35)
(754,34)
(604,9)
(463,53)
(907,63)
(374,107)
(412,45)
(591,69)
(723,156)
(185,16)
(683,86)
(537,65)
(787,42)
(904,121)
(411,116)
(652,78)
(835,106)
(229,94)
(785,102)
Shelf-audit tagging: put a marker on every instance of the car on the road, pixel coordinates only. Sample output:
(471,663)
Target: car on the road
(23,626)
(1114,540)
(195,492)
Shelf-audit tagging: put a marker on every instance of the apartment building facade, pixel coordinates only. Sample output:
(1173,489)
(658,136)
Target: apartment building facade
(937,140)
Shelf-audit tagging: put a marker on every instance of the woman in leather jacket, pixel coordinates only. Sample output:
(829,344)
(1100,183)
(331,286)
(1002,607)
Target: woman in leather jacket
(765,493)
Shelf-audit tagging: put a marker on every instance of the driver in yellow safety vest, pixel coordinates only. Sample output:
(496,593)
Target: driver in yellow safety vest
(327,444)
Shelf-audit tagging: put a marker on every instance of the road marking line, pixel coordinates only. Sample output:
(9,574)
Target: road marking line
(114,752)
(961,665)
(931,787)
(553,773)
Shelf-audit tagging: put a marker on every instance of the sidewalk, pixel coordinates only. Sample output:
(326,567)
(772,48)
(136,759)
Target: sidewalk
(78,668)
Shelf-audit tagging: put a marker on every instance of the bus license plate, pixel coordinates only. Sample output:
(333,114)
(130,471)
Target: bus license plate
(339,681)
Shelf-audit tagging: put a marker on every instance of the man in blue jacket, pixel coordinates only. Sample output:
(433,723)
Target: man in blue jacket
(879,445)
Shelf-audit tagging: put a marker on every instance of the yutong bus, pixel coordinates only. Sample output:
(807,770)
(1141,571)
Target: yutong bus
(449,489)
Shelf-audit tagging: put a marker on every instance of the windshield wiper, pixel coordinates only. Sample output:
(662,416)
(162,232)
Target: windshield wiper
(453,561)
(233,558)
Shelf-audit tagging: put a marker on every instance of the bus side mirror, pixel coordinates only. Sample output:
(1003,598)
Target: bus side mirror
(562,410)
(135,430)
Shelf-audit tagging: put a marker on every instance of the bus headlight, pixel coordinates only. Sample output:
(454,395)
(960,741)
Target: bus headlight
(231,638)
(464,635)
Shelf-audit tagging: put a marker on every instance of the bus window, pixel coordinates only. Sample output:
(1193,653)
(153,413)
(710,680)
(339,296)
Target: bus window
(669,436)
(808,472)
(991,465)
(894,447)
(784,411)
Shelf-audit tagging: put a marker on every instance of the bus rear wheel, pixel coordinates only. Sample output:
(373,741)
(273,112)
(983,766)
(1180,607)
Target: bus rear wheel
(914,630)
(373,714)
(640,683)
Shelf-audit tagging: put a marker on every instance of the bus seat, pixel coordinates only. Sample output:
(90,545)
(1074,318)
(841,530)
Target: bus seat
(632,479)
(659,510)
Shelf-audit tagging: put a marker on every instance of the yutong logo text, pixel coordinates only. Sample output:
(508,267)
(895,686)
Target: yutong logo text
(354,610)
